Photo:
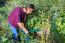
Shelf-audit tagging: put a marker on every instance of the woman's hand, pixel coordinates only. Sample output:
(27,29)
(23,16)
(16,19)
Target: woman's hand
(21,25)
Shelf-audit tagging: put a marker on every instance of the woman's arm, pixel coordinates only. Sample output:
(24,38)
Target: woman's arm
(21,25)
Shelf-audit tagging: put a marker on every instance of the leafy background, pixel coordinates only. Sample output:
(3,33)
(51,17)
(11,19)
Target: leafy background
(49,17)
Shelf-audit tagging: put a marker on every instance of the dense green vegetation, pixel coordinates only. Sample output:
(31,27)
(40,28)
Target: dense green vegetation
(49,17)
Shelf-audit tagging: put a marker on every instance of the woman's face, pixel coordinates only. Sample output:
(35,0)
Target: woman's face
(29,10)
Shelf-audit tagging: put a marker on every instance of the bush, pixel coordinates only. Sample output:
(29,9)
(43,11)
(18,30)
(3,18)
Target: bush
(48,17)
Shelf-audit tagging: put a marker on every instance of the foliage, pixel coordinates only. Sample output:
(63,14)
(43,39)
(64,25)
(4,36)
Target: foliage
(49,17)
